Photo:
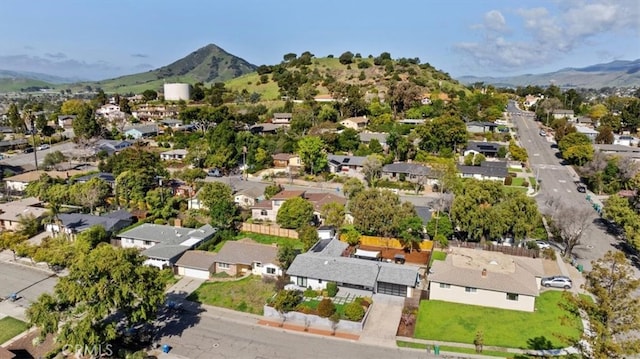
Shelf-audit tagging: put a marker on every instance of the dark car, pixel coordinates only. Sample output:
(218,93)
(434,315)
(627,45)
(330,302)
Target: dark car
(581,189)
(28,150)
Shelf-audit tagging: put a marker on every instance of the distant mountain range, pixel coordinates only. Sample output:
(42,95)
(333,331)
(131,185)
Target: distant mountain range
(612,74)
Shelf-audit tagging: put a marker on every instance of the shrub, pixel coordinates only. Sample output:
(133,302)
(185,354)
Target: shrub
(549,253)
(354,311)
(287,300)
(508,181)
(525,184)
(326,308)
(310,293)
(332,289)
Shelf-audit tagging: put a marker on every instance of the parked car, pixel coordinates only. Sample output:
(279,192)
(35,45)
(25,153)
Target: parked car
(543,244)
(558,281)
(214,172)
(581,188)
(543,133)
(27,150)
(43,147)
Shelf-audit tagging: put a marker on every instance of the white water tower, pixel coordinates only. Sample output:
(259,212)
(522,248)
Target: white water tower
(176,92)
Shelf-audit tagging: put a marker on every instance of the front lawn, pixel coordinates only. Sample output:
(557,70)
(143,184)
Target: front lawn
(245,295)
(517,181)
(444,348)
(438,320)
(10,327)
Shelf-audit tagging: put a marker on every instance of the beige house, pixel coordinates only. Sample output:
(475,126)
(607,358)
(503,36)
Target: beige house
(19,183)
(286,160)
(174,155)
(268,210)
(196,264)
(356,123)
(246,256)
(12,212)
(489,279)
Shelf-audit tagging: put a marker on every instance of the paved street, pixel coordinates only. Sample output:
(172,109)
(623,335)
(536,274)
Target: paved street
(29,283)
(21,159)
(558,181)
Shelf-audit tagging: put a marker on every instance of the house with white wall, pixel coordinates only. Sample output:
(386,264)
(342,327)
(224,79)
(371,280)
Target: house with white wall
(356,123)
(245,256)
(485,278)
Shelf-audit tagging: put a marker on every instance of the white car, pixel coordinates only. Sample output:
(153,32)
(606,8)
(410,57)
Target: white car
(543,244)
(558,281)
(43,147)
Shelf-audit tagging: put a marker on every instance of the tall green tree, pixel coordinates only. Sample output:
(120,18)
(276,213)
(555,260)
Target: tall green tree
(614,311)
(85,125)
(308,235)
(105,281)
(218,198)
(286,254)
(14,120)
(379,212)
(312,154)
(352,187)
(333,214)
(295,213)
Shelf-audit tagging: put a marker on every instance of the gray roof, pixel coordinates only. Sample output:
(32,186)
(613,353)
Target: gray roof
(522,280)
(406,168)
(615,148)
(482,124)
(79,222)
(145,129)
(329,247)
(246,252)
(197,260)
(171,121)
(283,115)
(483,147)
(120,214)
(368,136)
(266,127)
(346,160)
(501,172)
(424,213)
(19,141)
(352,270)
(168,234)
(105,176)
(495,164)
(165,252)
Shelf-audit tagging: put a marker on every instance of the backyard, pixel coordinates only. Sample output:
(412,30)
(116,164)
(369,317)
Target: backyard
(542,329)
(245,295)
(264,239)
(10,327)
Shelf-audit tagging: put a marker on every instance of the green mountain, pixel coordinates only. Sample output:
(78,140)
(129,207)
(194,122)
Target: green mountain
(208,64)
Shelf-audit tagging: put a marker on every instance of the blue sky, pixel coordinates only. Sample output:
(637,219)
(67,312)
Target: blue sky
(97,40)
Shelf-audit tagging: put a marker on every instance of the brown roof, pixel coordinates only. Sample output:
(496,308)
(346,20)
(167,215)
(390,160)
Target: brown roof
(197,260)
(35,175)
(6,354)
(361,119)
(286,194)
(283,156)
(320,199)
(12,211)
(510,274)
(245,251)
(266,204)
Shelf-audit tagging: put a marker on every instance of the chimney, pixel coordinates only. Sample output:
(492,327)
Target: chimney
(177,222)
(484,273)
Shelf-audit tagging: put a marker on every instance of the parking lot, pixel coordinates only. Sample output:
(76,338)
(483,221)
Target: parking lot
(28,283)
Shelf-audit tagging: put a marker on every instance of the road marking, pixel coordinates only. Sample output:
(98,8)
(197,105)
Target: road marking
(536,154)
(562,181)
(569,190)
(555,190)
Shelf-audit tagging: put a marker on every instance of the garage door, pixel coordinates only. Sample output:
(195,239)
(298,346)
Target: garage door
(196,273)
(392,289)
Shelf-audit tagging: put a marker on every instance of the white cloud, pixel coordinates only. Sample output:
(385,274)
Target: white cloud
(548,36)
(63,67)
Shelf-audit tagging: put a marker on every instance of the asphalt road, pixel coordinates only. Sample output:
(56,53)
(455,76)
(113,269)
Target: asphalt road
(557,181)
(27,282)
(21,159)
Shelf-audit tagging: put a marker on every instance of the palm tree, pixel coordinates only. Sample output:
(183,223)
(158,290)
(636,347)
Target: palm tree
(54,211)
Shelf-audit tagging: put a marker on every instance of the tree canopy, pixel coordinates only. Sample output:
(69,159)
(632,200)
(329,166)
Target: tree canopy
(295,213)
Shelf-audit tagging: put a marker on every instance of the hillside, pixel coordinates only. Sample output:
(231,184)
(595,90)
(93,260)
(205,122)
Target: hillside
(11,81)
(612,74)
(208,64)
(372,79)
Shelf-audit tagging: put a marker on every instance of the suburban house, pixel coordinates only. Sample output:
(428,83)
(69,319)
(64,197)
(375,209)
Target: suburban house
(245,256)
(589,132)
(488,170)
(104,176)
(619,150)
(411,171)
(585,121)
(267,210)
(531,100)
(246,193)
(489,279)
(163,244)
(12,212)
(481,127)
(324,263)
(487,149)
(74,223)
(110,111)
(282,118)
(154,112)
(196,264)
(172,123)
(144,131)
(174,155)
(625,140)
(19,183)
(267,128)
(366,137)
(66,121)
(356,123)
(286,160)
(247,197)
(112,146)
(347,165)
(412,121)
(558,114)
(319,200)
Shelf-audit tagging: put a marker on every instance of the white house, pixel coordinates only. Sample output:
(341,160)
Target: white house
(488,170)
(241,257)
(282,118)
(196,264)
(489,279)
(144,131)
(589,132)
(163,244)
(110,111)
(356,123)
(625,140)
(558,114)
(174,155)
(268,209)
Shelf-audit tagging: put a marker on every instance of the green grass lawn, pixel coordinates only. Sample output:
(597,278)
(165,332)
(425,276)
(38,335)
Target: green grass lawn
(517,181)
(264,239)
(246,295)
(438,320)
(513,169)
(437,256)
(446,348)
(516,188)
(10,327)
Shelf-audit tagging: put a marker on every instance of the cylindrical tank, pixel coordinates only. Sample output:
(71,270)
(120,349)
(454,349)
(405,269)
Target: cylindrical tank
(176,92)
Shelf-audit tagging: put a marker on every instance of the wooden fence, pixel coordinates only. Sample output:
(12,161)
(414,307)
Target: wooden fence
(514,251)
(269,230)
(394,243)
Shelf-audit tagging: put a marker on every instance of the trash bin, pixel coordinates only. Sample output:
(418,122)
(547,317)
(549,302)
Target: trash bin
(580,268)
(166,348)
(436,349)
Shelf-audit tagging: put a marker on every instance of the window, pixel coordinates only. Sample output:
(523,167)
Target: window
(263,212)
(223,265)
(470,289)
(512,296)
(445,286)
(271,270)
(257,264)
(147,243)
(302,282)
(319,281)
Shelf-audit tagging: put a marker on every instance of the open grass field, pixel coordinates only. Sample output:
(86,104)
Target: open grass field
(10,327)
(438,320)
(245,295)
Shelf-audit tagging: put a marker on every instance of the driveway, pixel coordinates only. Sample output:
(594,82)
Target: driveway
(383,320)
(27,282)
(184,287)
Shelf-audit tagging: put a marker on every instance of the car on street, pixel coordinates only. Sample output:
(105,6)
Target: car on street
(543,244)
(543,133)
(27,150)
(43,147)
(558,281)
(581,188)
(214,172)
